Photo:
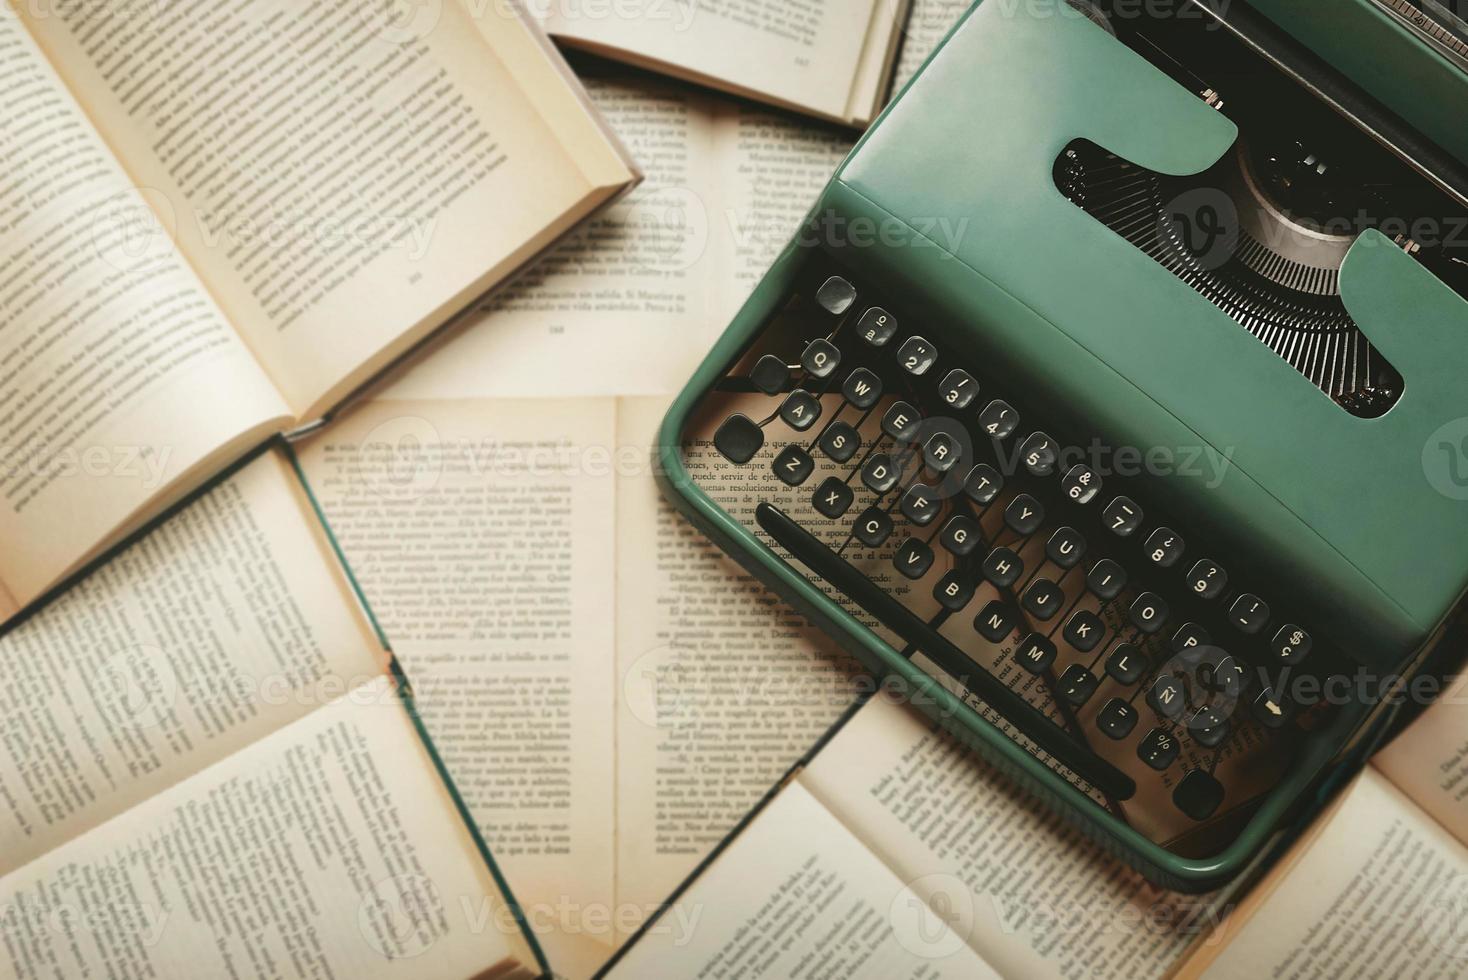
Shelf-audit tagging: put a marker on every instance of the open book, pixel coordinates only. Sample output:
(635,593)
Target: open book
(208,768)
(195,260)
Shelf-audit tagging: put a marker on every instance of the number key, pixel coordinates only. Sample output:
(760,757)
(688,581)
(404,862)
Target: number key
(916,356)
(1164,547)
(1123,516)
(1207,579)
(958,388)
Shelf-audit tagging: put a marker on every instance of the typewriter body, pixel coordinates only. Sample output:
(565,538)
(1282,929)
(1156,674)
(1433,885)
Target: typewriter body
(1112,401)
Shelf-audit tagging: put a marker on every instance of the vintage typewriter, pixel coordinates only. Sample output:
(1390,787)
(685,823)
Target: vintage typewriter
(1113,397)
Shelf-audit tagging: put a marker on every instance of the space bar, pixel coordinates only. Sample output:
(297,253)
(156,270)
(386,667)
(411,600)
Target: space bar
(1028,719)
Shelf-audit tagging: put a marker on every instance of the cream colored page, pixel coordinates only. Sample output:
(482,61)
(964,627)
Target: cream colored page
(928,23)
(328,848)
(481,534)
(337,176)
(222,624)
(721,686)
(1429,761)
(1029,894)
(796,895)
(117,372)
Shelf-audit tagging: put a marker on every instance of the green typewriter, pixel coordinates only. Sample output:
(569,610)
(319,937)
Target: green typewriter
(1113,401)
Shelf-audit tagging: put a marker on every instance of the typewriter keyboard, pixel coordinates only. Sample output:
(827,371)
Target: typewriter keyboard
(1028,572)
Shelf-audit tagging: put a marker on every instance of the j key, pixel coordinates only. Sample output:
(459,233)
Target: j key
(921,504)
(902,422)
(872,527)
(1249,613)
(800,409)
(880,473)
(1271,709)
(840,441)
(738,439)
(1164,547)
(982,484)
(836,295)
(998,419)
(996,621)
(770,375)
(1066,547)
(960,536)
(1122,516)
(1035,653)
(1080,484)
(1003,567)
(1106,579)
(1167,697)
(941,452)
(1190,635)
(1039,454)
(862,388)
(1116,719)
(876,326)
(1077,684)
(1024,515)
(820,358)
(1043,599)
(1207,579)
(793,465)
(916,356)
(1084,630)
(1198,794)
(1158,748)
(913,558)
(1291,644)
(1148,612)
(833,497)
(958,389)
(1126,665)
(953,592)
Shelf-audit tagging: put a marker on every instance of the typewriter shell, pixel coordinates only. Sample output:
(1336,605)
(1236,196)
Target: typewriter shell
(1339,507)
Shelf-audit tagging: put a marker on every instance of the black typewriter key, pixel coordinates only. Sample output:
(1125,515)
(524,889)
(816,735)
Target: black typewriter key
(793,465)
(1126,665)
(998,419)
(1038,453)
(921,504)
(960,536)
(1271,709)
(1084,630)
(913,558)
(1291,644)
(1207,579)
(872,527)
(958,389)
(1077,684)
(941,452)
(1249,613)
(1035,653)
(836,295)
(916,356)
(738,439)
(840,441)
(1168,697)
(902,422)
(1080,484)
(1206,731)
(983,484)
(1106,579)
(1148,612)
(1226,677)
(1190,635)
(1158,748)
(820,358)
(770,375)
(800,409)
(1164,547)
(862,388)
(1003,567)
(833,497)
(996,621)
(953,592)
(876,326)
(1198,794)
(1043,599)
(1116,719)
(1024,515)
(1066,547)
(880,473)
(1122,516)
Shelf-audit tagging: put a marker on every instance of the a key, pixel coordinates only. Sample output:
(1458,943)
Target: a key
(1077,684)
(1106,579)
(1080,484)
(1066,547)
(836,295)
(820,358)
(1148,612)
(1271,709)
(941,452)
(1043,599)
(770,375)
(960,536)
(1167,697)
(1084,630)
(921,504)
(1116,719)
(983,484)
(876,326)
(1038,453)
(913,558)
(1208,728)
(902,422)
(800,409)
(1249,613)
(1164,547)
(1198,794)
(1189,635)
(840,441)
(1035,653)
(1126,664)
(958,389)
(996,621)
(1024,515)
(833,497)
(953,592)
(1158,748)
(998,419)
(1003,567)
(1291,645)
(862,388)
(873,526)
(880,473)
(793,465)
(1122,516)
(1207,579)
(738,439)
(916,356)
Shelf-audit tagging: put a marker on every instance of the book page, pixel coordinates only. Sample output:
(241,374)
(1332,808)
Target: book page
(481,533)
(343,180)
(796,895)
(119,377)
(1031,895)
(328,848)
(223,624)
(1429,761)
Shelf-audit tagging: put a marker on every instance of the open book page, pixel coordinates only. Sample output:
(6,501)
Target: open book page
(1026,892)
(481,533)
(342,180)
(328,848)
(927,24)
(119,378)
(1377,888)
(797,895)
(1429,761)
